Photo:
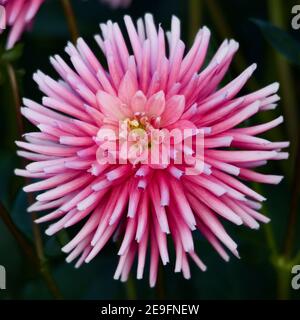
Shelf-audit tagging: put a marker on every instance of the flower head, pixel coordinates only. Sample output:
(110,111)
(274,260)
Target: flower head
(18,15)
(105,154)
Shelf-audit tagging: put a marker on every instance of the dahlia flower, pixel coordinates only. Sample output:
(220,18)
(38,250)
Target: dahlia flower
(114,4)
(149,88)
(19,14)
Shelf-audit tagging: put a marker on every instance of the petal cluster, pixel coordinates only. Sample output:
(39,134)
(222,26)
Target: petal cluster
(155,82)
(19,14)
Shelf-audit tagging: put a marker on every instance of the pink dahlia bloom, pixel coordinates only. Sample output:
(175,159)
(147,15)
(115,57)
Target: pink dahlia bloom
(117,3)
(19,15)
(152,86)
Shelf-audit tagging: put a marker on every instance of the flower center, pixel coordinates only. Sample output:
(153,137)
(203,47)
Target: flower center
(141,128)
(139,139)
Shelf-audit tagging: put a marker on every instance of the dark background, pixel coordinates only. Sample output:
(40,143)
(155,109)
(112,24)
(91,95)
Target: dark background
(264,271)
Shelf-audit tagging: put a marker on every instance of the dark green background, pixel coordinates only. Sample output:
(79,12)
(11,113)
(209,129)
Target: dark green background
(257,274)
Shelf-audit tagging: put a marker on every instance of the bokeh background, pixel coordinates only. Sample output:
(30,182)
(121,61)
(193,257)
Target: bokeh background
(265,34)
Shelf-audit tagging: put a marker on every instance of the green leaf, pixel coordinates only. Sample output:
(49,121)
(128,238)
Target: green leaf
(280,40)
(12,54)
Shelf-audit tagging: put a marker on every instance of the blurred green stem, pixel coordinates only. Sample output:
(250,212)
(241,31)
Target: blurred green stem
(71,20)
(16,96)
(130,289)
(275,9)
(43,265)
(283,283)
(19,237)
(292,223)
(296,260)
(195,13)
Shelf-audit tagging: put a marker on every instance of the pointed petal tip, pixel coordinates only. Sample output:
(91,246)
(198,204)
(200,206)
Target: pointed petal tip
(26,189)
(88,259)
(31,209)
(276,85)
(65,249)
(139,277)
(279,179)
(238,221)
(236,254)
(253,66)
(49,231)
(68,259)
(255,226)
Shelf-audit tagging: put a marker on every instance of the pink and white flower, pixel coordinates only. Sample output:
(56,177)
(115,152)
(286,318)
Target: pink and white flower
(155,83)
(19,14)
